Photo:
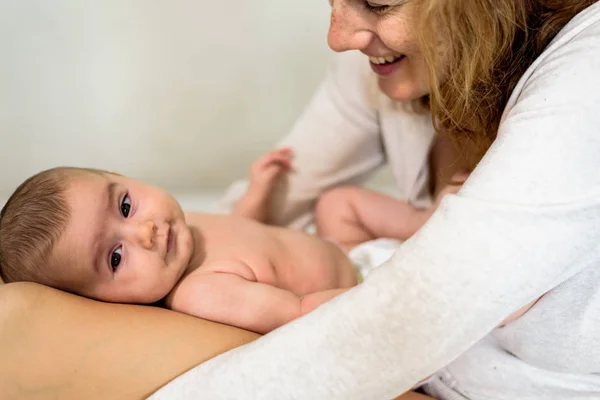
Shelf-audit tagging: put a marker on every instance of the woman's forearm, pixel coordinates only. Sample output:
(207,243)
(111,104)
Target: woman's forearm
(57,345)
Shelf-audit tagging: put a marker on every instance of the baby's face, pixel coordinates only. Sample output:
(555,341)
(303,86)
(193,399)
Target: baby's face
(126,242)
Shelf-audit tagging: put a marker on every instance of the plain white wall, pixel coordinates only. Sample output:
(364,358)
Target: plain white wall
(181,93)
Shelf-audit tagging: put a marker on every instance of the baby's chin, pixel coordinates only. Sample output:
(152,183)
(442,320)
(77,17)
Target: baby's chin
(189,245)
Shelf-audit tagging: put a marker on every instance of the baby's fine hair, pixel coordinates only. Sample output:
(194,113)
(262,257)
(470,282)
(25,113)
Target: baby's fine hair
(32,221)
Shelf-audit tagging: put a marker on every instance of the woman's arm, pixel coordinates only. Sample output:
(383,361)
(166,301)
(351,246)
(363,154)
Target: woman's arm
(57,345)
(335,141)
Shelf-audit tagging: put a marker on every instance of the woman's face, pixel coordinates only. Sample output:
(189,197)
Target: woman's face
(383,30)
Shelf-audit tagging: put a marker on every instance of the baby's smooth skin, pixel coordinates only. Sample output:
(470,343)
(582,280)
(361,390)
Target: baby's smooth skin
(130,242)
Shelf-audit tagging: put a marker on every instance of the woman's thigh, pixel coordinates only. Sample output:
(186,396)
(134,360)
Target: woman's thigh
(57,345)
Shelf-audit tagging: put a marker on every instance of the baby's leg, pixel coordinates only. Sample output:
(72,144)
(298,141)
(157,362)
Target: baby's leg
(352,215)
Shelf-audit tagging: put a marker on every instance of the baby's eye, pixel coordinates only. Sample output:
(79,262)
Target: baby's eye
(126,206)
(115,258)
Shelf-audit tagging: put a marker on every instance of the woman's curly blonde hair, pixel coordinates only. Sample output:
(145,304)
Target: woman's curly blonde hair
(484,46)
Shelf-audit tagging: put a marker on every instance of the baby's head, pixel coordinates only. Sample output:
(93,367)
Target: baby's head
(94,233)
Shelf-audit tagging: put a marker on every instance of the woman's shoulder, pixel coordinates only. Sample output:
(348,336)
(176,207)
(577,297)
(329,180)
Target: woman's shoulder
(563,83)
(588,18)
(579,33)
(584,26)
(546,151)
(571,58)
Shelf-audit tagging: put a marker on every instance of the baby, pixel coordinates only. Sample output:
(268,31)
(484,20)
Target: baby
(112,238)
(115,239)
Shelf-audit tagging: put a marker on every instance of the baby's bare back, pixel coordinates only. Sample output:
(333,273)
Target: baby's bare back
(288,259)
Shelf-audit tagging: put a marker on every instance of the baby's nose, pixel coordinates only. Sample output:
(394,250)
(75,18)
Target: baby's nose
(143,233)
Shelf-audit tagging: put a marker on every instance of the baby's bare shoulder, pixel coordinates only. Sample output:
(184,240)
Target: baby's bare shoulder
(217,220)
(192,216)
(213,271)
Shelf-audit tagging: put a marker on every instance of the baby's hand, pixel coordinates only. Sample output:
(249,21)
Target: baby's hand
(269,166)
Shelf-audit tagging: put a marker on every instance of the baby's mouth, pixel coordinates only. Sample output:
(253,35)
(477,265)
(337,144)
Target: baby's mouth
(169,239)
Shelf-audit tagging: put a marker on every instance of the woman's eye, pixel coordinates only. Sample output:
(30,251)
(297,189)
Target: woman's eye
(377,8)
(126,206)
(115,258)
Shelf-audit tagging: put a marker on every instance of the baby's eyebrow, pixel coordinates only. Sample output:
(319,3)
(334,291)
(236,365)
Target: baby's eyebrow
(111,190)
(107,205)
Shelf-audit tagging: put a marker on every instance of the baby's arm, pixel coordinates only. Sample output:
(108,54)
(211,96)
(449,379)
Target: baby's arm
(263,175)
(232,299)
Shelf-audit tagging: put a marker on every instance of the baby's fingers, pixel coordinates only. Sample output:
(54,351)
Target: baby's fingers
(281,157)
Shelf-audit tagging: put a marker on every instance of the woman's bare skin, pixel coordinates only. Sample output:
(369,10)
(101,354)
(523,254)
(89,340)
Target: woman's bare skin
(56,345)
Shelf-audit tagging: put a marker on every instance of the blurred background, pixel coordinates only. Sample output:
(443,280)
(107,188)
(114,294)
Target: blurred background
(180,93)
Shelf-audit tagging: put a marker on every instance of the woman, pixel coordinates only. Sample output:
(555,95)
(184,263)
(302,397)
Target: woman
(522,75)
(519,74)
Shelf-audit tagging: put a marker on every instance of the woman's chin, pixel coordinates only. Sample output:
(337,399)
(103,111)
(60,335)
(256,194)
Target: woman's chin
(403,92)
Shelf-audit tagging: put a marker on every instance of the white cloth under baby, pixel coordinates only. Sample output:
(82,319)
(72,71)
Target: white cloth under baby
(369,255)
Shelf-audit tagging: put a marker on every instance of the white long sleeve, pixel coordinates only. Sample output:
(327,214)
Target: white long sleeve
(527,220)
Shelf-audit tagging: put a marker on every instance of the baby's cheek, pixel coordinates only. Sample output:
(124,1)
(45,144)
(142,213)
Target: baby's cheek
(149,290)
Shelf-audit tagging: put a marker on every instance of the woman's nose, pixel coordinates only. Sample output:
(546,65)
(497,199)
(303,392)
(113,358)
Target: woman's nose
(348,29)
(141,233)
